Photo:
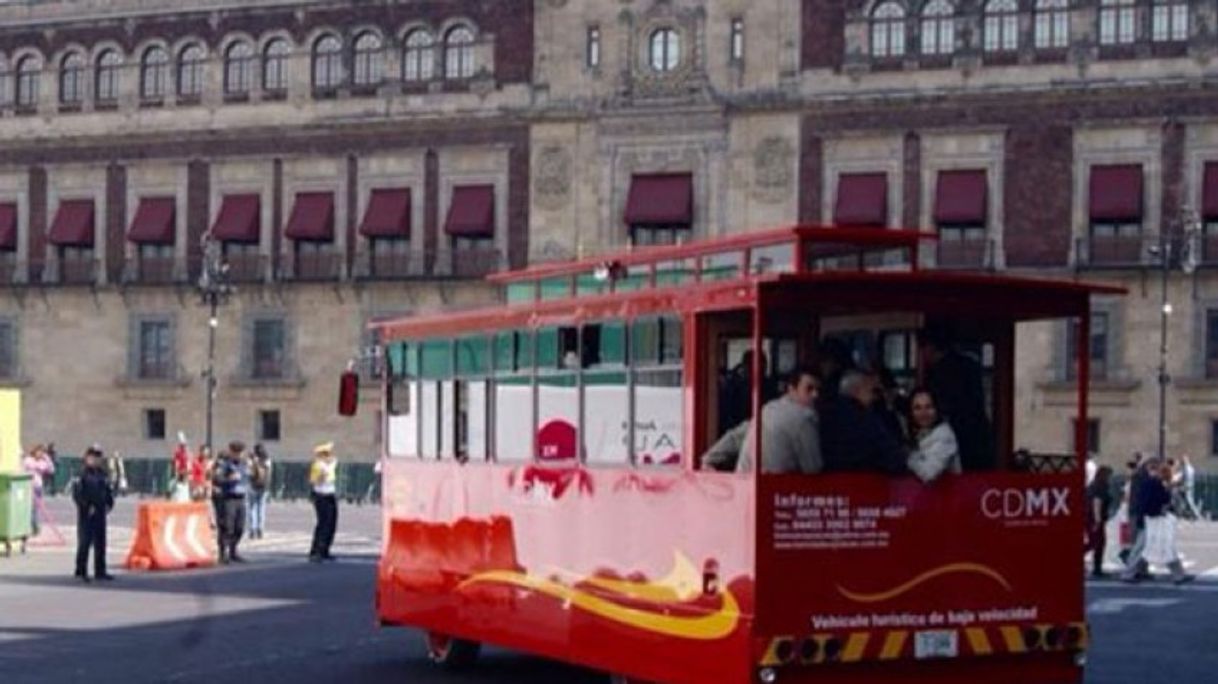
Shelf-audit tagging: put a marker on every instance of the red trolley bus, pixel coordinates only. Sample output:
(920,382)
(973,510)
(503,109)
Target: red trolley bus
(544,487)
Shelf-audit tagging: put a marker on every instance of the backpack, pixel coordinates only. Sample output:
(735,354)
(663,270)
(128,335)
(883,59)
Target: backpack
(259,474)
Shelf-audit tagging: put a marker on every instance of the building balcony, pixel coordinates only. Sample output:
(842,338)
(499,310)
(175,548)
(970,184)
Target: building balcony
(965,255)
(314,267)
(1116,252)
(146,270)
(72,271)
(430,264)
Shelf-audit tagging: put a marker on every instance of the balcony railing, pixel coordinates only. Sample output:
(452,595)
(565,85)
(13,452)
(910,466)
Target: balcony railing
(315,267)
(153,270)
(1116,251)
(72,271)
(431,264)
(247,268)
(969,255)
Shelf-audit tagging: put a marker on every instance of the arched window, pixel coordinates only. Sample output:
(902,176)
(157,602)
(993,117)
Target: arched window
(418,56)
(459,53)
(664,49)
(72,79)
(1117,22)
(28,71)
(109,63)
(154,71)
(1169,21)
(888,30)
(190,71)
(275,65)
(1001,26)
(327,62)
(1052,25)
(239,68)
(368,59)
(938,28)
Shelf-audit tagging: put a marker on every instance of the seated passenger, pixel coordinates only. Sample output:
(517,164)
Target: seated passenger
(955,380)
(855,437)
(790,434)
(935,450)
(736,392)
(725,453)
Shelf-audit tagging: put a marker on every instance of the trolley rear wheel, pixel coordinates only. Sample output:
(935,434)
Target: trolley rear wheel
(449,652)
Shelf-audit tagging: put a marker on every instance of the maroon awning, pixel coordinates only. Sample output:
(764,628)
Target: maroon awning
(8,226)
(472,212)
(1209,193)
(960,198)
(154,221)
(239,219)
(388,214)
(312,217)
(660,199)
(73,224)
(1116,193)
(862,200)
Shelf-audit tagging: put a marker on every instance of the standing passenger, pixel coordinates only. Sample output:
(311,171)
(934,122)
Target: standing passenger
(790,433)
(323,476)
(955,380)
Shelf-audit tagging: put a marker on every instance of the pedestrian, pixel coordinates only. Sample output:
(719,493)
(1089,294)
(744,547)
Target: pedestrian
(116,472)
(1099,507)
(200,474)
(1188,485)
(94,500)
(181,459)
(260,483)
(323,476)
(231,484)
(39,466)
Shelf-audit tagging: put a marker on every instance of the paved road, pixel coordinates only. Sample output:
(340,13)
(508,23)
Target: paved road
(277,619)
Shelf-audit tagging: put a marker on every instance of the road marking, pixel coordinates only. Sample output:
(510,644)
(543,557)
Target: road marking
(1112,606)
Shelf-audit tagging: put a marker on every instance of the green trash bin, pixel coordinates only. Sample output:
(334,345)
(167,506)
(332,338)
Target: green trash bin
(16,507)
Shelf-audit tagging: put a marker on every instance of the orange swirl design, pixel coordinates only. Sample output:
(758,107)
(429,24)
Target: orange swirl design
(949,569)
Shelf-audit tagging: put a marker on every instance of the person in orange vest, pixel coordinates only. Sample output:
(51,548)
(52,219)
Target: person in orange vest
(323,477)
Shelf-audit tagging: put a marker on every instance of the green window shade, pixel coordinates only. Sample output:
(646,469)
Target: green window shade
(556,288)
(721,266)
(547,348)
(588,284)
(636,279)
(675,272)
(521,292)
(612,343)
(436,360)
(395,355)
(645,342)
(505,352)
(473,358)
(671,342)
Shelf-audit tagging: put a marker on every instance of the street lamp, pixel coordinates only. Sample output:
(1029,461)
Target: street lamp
(1189,251)
(213,289)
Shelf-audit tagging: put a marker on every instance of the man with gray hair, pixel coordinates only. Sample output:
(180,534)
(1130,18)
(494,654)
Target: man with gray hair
(855,437)
(790,432)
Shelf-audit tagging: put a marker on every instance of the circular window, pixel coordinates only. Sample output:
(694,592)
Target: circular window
(665,49)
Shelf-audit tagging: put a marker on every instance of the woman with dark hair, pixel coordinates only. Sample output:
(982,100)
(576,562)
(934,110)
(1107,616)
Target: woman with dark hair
(1099,507)
(935,449)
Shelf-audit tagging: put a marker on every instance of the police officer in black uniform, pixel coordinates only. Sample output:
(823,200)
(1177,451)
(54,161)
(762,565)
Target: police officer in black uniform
(94,499)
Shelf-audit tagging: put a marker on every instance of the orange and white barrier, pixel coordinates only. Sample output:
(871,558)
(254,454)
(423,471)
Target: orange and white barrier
(172,536)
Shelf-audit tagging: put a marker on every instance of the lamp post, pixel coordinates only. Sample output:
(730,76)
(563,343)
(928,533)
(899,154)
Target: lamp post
(1189,252)
(213,289)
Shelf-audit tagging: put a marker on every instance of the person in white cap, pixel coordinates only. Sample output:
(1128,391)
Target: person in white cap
(323,476)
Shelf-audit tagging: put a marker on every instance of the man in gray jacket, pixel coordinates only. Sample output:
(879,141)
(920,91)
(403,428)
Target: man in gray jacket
(790,430)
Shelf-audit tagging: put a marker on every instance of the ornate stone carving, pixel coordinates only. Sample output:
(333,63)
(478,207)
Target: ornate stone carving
(772,173)
(552,181)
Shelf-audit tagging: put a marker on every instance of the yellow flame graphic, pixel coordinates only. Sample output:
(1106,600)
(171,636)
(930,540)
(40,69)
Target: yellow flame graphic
(951,568)
(683,583)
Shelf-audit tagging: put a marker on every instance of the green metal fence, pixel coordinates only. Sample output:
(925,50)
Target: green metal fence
(357,482)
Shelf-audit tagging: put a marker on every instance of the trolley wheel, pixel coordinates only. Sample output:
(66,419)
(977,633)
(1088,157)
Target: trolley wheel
(449,652)
(623,679)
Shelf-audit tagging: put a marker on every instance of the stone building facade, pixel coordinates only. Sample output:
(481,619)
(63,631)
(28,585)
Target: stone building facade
(441,139)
